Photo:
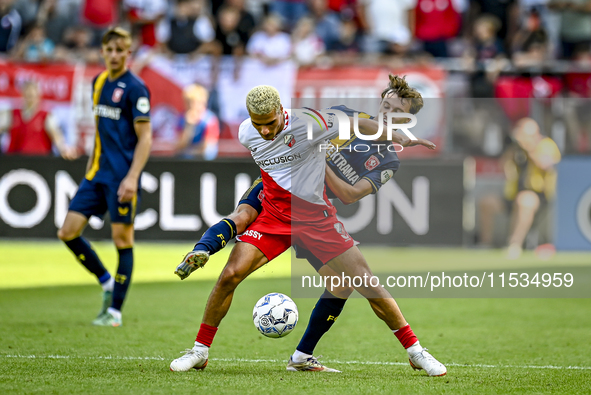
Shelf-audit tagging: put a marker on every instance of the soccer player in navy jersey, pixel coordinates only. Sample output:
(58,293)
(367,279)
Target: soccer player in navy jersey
(121,103)
(350,175)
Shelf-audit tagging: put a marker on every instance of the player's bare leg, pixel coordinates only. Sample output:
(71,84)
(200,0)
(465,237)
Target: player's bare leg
(244,259)
(72,227)
(241,218)
(352,263)
(341,291)
(526,206)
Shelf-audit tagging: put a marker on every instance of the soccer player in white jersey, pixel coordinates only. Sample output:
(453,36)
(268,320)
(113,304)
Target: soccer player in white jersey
(295,210)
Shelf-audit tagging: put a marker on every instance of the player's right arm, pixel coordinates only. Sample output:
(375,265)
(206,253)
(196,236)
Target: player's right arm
(371,127)
(347,193)
(405,141)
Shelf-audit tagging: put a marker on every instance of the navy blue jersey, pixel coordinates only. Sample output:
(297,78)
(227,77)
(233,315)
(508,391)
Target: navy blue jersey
(117,105)
(356,159)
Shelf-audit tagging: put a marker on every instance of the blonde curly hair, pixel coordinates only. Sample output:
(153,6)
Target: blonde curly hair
(262,100)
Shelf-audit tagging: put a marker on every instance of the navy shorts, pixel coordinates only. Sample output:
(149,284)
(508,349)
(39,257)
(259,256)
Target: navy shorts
(95,199)
(254,195)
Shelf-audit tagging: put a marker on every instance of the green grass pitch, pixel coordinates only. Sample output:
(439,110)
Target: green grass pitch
(47,345)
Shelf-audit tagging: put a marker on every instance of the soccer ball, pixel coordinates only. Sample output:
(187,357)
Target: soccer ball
(275,315)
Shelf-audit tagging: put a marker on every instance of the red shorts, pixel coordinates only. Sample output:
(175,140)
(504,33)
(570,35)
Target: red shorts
(326,239)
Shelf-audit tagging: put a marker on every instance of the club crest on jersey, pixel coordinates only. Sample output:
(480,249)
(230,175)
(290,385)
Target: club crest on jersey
(372,163)
(117,94)
(289,140)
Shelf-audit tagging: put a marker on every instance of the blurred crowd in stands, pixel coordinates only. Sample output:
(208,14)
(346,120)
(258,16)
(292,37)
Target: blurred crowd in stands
(321,32)
(479,40)
(505,49)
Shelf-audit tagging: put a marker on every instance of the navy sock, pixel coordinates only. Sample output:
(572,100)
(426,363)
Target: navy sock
(123,277)
(87,257)
(216,237)
(325,313)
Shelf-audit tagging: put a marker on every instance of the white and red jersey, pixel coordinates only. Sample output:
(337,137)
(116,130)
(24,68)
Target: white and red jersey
(292,166)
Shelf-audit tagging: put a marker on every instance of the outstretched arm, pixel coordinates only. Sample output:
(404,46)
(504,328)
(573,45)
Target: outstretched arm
(403,140)
(371,127)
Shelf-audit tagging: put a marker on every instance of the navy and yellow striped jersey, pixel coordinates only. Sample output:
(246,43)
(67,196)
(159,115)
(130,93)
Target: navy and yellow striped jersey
(356,159)
(117,105)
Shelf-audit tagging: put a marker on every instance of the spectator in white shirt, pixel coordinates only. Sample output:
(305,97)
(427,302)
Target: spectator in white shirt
(270,45)
(386,21)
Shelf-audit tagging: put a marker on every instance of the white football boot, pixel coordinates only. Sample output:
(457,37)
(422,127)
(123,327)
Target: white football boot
(421,359)
(194,358)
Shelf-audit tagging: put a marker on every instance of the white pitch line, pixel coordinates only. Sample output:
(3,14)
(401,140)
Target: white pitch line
(459,365)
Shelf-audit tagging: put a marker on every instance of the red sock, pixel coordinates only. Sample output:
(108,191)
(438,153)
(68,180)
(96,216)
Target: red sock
(406,336)
(206,334)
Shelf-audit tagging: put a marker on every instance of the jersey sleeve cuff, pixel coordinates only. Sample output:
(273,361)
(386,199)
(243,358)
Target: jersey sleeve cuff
(373,185)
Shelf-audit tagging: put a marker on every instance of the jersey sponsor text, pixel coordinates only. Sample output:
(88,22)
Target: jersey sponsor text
(107,112)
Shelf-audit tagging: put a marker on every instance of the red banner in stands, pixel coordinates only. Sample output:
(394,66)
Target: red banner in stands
(55,80)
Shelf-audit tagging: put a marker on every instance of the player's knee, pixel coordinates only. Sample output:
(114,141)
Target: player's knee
(65,235)
(61,234)
(230,277)
(122,235)
(528,199)
(121,244)
(342,292)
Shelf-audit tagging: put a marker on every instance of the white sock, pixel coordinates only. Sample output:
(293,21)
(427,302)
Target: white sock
(299,356)
(415,348)
(114,312)
(109,284)
(197,344)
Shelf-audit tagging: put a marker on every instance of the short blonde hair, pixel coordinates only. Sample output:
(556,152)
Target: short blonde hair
(262,100)
(196,92)
(115,33)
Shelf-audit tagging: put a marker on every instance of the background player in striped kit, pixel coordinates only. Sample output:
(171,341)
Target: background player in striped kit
(122,146)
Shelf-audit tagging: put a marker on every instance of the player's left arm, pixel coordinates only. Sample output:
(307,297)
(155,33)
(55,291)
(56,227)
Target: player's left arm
(371,127)
(346,192)
(55,133)
(128,187)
